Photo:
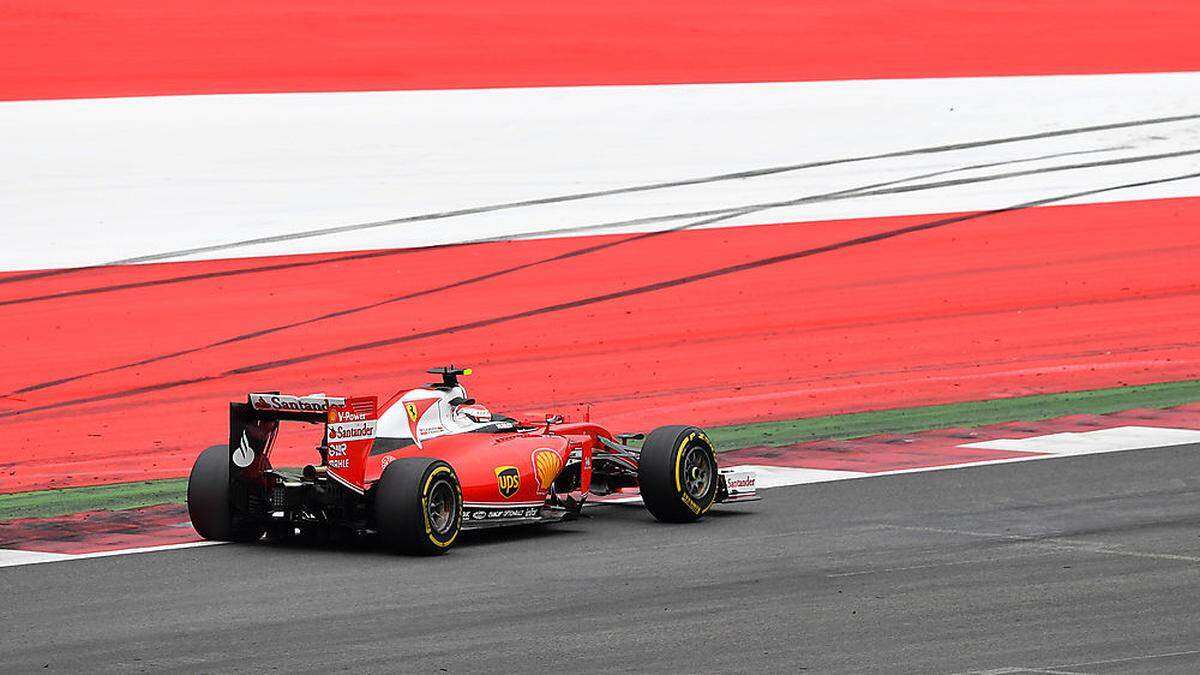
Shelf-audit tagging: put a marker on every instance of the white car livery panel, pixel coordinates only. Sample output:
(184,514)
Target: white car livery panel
(422,414)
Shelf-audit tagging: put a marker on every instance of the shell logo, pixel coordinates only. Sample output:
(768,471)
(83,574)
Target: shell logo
(546,465)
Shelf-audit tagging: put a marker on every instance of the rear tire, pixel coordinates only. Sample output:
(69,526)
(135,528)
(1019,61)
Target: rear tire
(677,474)
(209,504)
(418,506)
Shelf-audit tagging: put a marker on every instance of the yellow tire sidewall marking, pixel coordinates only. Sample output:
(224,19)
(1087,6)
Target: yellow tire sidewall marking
(425,509)
(679,461)
(684,496)
(679,452)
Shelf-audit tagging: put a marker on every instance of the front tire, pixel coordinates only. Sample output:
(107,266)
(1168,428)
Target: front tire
(677,474)
(418,506)
(208,500)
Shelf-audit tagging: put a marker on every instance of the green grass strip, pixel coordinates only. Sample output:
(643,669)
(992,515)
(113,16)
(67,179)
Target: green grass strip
(49,503)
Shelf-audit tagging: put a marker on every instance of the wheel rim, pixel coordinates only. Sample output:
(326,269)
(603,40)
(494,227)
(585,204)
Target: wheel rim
(697,472)
(441,507)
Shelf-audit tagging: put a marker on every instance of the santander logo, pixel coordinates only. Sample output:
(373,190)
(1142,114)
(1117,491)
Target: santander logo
(243,456)
(350,431)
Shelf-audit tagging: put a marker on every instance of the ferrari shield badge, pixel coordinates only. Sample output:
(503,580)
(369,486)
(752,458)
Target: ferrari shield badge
(416,410)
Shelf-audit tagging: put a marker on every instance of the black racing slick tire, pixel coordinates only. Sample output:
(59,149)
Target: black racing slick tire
(418,506)
(677,474)
(209,504)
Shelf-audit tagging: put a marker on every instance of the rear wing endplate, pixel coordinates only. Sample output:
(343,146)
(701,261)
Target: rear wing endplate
(349,432)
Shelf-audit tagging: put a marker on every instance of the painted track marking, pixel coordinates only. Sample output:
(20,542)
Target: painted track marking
(336,191)
(887,570)
(1058,544)
(16,557)
(1060,669)
(1091,442)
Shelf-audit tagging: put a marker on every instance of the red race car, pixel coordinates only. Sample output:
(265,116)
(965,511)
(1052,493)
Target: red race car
(433,463)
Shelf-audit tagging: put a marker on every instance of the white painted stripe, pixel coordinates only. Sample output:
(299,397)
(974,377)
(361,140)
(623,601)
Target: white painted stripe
(12,557)
(95,181)
(1089,442)
(150,549)
(1051,446)
(779,476)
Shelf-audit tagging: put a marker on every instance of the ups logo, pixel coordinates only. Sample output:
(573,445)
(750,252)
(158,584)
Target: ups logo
(508,479)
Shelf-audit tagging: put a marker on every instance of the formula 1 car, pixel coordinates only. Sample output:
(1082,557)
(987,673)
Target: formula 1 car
(434,463)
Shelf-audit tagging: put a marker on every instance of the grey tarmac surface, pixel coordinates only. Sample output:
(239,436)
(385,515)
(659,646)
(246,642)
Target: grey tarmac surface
(1082,565)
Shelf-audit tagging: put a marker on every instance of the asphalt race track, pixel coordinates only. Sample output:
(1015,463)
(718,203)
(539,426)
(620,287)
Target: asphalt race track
(1081,565)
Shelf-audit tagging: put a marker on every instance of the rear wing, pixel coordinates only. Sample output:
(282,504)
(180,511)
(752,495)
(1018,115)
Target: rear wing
(349,432)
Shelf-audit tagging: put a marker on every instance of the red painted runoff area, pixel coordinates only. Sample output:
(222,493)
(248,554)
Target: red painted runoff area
(99,48)
(123,373)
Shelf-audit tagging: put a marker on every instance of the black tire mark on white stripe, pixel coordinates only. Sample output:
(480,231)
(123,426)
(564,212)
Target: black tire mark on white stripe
(203,276)
(722,214)
(583,302)
(856,193)
(754,173)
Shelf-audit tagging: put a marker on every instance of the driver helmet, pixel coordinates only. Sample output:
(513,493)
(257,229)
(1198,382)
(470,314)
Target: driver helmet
(472,413)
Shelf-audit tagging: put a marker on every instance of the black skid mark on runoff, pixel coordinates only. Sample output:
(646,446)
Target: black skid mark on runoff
(721,215)
(201,276)
(583,302)
(680,281)
(42,274)
(739,175)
